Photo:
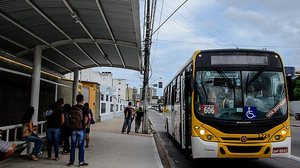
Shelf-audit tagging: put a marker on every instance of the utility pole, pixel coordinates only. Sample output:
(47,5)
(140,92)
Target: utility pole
(146,69)
(127,92)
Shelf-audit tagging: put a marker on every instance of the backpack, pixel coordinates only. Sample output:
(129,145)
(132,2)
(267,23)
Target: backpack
(75,118)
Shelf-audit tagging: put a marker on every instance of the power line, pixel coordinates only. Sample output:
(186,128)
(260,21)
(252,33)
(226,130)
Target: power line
(169,16)
(230,44)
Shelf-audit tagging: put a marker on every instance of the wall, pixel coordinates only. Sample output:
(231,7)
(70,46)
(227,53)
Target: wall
(93,92)
(15,92)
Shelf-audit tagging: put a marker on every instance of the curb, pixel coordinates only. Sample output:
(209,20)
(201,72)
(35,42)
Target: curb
(166,160)
(293,125)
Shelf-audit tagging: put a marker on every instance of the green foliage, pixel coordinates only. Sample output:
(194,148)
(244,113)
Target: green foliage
(296,90)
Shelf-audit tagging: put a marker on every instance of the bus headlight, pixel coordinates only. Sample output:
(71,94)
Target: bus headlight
(277,137)
(280,135)
(283,132)
(202,132)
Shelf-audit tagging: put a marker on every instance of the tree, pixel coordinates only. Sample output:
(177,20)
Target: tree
(296,88)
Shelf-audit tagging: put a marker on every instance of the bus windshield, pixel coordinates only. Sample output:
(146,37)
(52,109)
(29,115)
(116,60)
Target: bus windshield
(240,95)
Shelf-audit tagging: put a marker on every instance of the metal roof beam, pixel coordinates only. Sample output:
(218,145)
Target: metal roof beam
(14,42)
(110,32)
(60,30)
(37,37)
(78,41)
(77,19)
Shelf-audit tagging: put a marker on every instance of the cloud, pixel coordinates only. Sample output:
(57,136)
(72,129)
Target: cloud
(207,24)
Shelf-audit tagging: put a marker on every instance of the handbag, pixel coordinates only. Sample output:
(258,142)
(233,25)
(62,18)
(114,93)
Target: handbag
(92,120)
(25,130)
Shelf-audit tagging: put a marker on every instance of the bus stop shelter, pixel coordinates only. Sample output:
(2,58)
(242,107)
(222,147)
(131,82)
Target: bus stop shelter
(63,36)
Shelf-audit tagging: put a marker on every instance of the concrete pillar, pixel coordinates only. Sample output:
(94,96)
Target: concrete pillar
(35,87)
(56,92)
(75,86)
(35,82)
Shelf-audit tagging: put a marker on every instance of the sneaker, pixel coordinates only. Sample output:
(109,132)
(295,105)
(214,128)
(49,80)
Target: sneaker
(70,164)
(83,164)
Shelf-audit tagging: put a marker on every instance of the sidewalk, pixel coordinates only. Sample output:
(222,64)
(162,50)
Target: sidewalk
(109,148)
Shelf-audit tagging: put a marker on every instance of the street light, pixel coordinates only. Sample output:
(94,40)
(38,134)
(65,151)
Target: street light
(156,80)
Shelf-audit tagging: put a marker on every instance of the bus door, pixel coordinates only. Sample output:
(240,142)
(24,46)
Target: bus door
(186,100)
(177,109)
(182,111)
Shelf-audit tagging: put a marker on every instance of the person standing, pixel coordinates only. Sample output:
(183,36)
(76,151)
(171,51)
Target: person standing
(138,119)
(29,135)
(65,130)
(77,123)
(128,112)
(54,123)
(88,126)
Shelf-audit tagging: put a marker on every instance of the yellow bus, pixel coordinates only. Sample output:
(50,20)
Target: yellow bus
(230,103)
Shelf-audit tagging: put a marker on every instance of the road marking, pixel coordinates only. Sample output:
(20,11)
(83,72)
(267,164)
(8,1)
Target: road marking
(296,158)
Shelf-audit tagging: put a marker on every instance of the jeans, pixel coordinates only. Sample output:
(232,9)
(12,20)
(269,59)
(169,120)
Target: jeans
(66,132)
(127,123)
(137,125)
(77,136)
(53,137)
(38,144)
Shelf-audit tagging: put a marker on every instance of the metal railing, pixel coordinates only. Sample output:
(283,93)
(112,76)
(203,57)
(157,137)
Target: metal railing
(7,129)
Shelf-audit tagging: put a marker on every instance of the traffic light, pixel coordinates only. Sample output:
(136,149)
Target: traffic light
(160,84)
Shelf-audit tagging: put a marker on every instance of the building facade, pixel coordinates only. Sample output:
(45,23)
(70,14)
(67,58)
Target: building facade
(112,92)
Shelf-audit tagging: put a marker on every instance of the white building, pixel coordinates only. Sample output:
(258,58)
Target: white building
(112,92)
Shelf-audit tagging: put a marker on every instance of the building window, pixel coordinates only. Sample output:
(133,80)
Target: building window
(120,107)
(102,96)
(106,97)
(110,98)
(111,108)
(103,107)
(117,108)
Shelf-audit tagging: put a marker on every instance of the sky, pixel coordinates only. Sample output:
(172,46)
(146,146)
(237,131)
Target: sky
(217,24)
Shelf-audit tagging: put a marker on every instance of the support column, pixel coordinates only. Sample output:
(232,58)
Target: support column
(75,86)
(56,92)
(35,88)
(35,82)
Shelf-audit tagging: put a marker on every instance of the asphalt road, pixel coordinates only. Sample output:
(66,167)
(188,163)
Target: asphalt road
(180,161)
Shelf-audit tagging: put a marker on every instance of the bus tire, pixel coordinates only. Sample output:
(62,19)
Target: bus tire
(167,128)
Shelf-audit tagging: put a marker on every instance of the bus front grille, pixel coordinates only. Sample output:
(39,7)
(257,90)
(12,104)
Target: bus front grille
(244,149)
(238,139)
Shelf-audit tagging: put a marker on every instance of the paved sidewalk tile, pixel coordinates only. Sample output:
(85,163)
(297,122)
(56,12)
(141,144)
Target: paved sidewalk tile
(109,148)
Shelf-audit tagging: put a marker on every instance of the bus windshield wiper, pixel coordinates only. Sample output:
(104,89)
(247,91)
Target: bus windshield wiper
(228,81)
(248,83)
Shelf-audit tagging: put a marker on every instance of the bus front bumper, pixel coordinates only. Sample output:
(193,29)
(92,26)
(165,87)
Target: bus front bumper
(205,149)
